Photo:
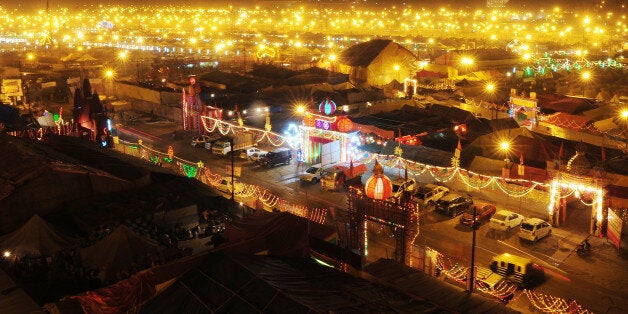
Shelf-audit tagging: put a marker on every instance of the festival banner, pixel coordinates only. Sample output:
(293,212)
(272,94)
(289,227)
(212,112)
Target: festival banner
(615,225)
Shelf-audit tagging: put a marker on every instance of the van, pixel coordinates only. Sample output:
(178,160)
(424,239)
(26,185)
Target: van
(279,156)
(518,269)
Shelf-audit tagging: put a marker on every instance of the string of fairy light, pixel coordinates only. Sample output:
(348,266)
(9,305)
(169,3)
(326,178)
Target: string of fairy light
(204,174)
(454,270)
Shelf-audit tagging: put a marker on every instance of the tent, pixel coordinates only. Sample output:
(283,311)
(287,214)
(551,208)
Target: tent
(233,283)
(14,299)
(446,297)
(118,252)
(36,237)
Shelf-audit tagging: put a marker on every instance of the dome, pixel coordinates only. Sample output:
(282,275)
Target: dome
(579,164)
(327,107)
(378,186)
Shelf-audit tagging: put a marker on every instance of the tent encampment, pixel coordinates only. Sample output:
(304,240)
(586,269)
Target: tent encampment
(36,238)
(118,252)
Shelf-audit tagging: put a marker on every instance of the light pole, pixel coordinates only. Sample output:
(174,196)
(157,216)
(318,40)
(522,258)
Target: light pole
(490,90)
(396,67)
(586,76)
(472,270)
(624,127)
(109,75)
(504,147)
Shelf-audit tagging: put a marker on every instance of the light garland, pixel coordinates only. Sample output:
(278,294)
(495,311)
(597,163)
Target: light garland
(210,124)
(544,303)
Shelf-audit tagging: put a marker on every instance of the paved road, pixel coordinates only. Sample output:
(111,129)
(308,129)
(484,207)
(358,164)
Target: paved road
(596,282)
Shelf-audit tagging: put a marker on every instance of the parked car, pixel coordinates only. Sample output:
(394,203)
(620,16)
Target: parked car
(279,156)
(204,140)
(312,174)
(400,185)
(453,204)
(225,185)
(505,220)
(483,213)
(199,141)
(429,194)
(533,229)
(252,153)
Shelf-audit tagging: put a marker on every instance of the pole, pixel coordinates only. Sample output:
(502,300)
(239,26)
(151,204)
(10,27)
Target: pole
(137,65)
(472,270)
(232,174)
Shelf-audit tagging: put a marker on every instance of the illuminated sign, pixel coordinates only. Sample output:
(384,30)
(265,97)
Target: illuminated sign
(321,124)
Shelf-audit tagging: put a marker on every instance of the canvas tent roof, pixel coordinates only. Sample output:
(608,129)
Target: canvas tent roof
(449,297)
(550,103)
(118,251)
(420,153)
(278,233)
(361,55)
(252,283)
(36,237)
(605,125)
(13,299)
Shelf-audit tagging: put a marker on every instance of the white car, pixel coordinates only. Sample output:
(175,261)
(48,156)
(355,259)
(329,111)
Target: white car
(429,194)
(400,185)
(505,220)
(533,229)
(252,154)
(225,186)
(312,174)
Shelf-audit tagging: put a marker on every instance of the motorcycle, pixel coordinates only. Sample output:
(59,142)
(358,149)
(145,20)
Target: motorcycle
(583,248)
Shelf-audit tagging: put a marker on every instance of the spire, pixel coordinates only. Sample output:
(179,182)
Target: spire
(378,169)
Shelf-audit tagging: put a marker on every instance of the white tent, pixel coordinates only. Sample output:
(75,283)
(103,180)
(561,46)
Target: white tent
(118,252)
(36,237)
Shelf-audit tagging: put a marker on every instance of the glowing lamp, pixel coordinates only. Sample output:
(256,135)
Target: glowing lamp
(327,107)
(344,124)
(378,186)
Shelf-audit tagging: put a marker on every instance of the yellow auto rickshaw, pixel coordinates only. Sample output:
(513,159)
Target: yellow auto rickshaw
(518,269)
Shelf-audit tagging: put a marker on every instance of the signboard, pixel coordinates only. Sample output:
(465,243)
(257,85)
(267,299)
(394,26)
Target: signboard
(12,87)
(237,171)
(523,102)
(73,80)
(615,225)
(48,84)
(322,124)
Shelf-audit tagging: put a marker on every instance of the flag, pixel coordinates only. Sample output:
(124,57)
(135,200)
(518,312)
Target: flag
(560,151)
(521,158)
(458,149)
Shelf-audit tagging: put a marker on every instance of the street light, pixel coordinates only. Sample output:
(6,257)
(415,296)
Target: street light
(300,109)
(396,67)
(490,90)
(109,75)
(586,76)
